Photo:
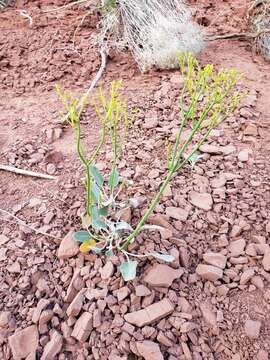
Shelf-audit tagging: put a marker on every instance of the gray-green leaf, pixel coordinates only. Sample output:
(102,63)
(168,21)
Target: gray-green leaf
(81,236)
(128,270)
(164,257)
(114,178)
(96,175)
(122,225)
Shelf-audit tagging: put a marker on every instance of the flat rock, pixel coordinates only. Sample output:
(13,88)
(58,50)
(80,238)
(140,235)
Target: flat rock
(211,149)
(209,272)
(142,290)
(76,305)
(262,355)
(177,213)
(243,155)
(252,328)
(107,271)
(161,275)
(24,342)
(237,247)
(68,247)
(266,261)
(83,327)
(215,259)
(208,314)
(150,314)
(41,305)
(3,239)
(149,350)
(246,276)
(201,200)
(5,317)
(53,347)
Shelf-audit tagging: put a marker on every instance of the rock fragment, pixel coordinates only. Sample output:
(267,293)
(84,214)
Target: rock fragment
(76,304)
(24,342)
(209,272)
(203,201)
(150,314)
(215,259)
(142,290)
(252,328)
(107,271)
(41,305)
(236,248)
(83,327)
(246,276)
(177,213)
(149,350)
(161,275)
(68,247)
(53,347)
(243,155)
(211,149)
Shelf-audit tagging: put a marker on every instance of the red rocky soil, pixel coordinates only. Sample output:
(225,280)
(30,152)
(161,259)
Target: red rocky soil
(213,302)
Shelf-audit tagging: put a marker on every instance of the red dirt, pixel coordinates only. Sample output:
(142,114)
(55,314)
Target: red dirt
(32,61)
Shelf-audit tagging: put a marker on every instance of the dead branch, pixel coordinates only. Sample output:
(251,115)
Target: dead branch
(26,172)
(239,35)
(21,222)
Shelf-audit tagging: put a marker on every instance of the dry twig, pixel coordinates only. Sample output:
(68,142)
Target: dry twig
(239,35)
(26,172)
(21,222)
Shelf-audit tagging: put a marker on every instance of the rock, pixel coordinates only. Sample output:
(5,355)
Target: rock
(262,355)
(53,347)
(5,317)
(236,248)
(252,328)
(201,200)
(45,317)
(14,268)
(24,342)
(251,130)
(76,284)
(150,314)
(3,239)
(246,276)
(142,290)
(41,305)
(187,327)
(236,230)
(177,213)
(122,293)
(219,181)
(83,327)
(209,272)
(162,275)
(76,304)
(208,314)
(243,155)
(266,261)
(107,271)
(149,350)
(215,259)
(150,123)
(211,149)
(3,254)
(68,247)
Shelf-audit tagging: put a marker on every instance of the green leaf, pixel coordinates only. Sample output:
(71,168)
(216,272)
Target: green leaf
(128,270)
(96,250)
(109,253)
(103,211)
(96,175)
(96,192)
(122,225)
(81,236)
(164,257)
(114,178)
(96,222)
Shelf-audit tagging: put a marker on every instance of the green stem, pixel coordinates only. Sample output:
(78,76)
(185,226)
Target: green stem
(149,211)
